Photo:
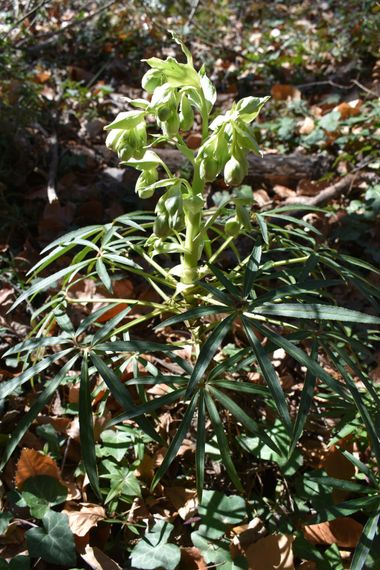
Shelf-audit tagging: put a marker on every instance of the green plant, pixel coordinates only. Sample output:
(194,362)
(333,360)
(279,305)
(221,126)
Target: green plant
(223,274)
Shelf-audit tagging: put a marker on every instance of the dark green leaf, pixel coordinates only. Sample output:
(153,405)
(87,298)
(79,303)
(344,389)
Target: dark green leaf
(200,447)
(207,352)
(176,441)
(251,269)
(9,386)
(363,549)
(192,314)
(86,428)
(243,418)
(269,374)
(225,452)
(55,542)
(315,311)
(27,419)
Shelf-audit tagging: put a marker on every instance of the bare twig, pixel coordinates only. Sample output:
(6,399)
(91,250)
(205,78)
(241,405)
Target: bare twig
(192,13)
(54,34)
(325,195)
(51,191)
(25,17)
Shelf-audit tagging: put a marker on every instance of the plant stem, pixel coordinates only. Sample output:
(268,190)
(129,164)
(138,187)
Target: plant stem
(194,235)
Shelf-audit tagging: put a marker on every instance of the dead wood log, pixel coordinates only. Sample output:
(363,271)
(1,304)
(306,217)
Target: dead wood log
(283,169)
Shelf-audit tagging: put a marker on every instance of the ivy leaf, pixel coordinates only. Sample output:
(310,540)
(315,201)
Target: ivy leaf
(153,551)
(54,542)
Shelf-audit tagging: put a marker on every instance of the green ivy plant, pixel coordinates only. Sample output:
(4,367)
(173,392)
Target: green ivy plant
(216,270)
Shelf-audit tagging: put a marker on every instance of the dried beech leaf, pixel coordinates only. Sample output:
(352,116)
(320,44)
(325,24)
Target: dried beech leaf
(274,551)
(343,531)
(284,92)
(81,522)
(32,463)
(183,500)
(97,560)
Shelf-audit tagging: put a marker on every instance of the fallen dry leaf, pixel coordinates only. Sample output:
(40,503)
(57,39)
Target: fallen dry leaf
(284,92)
(183,500)
(97,560)
(345,532)
(349,108)
(306,126)
(192,559)
(32,463)
(82,521)
(283,191)
(272,552)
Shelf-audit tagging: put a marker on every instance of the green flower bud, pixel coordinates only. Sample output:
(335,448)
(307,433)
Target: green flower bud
(209,168)
(113,138)
(171,126)
(161,226)
(146,179)
(235,170)
(186,114)
(232,227)
(153,78)
(164,113)
(193,205)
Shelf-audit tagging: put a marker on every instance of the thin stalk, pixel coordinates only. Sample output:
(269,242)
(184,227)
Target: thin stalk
(114,300)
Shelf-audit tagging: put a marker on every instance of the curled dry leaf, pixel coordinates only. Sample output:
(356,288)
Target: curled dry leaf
(33,463)
(97,560)
(82,521)
(345,532)
(274,551)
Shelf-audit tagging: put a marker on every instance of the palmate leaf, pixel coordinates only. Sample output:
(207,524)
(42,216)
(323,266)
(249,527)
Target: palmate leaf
(122,395)
(192,314)
(27,419)
(225,452)
(10,386)
(331,512)
(302,358)
(225,281)
(176,441)
(362,409)
(42,284)
(109,327)
(149,407)
(315,311)
(207,352)
(201,445)
(86,428)
(269,374)
(35,343)
(307,395)
(243,418)
(363,549)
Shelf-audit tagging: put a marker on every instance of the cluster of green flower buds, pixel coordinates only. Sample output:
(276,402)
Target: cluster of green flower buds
(233,137)
(170,212)
(128,136)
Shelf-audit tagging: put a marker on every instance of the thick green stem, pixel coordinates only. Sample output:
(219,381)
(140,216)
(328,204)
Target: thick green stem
(194,240)
(194,234)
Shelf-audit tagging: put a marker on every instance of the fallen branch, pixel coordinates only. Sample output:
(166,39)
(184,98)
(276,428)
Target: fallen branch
(324,195)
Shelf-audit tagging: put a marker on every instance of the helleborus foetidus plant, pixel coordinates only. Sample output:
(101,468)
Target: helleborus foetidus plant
(232,284)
